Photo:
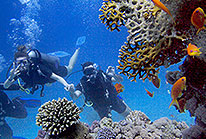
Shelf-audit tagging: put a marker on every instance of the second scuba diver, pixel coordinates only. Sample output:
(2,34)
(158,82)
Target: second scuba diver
(36,68)
(99,90)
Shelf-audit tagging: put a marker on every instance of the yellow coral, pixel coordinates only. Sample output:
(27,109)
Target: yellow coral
(143,60)
(112,17)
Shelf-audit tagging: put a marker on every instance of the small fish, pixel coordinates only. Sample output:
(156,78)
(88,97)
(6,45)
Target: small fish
(156,81)
(171,115)
(119,87)
(163,7)
(149,93)
(198,19)
(177,89)
(193,50)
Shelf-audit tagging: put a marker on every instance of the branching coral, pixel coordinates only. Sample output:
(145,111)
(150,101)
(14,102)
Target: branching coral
(151,32)
(144,60)
(112,16)
(150,27)
(57,116)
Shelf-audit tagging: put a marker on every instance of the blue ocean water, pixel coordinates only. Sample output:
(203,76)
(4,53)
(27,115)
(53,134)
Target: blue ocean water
(53,25)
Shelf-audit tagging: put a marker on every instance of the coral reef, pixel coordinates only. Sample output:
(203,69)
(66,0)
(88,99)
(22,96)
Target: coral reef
(57,116)
(143,60)
(105,133)
(112,15)
(135,125)
(138,125)
(154,40)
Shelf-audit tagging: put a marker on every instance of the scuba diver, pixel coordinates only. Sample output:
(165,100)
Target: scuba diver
(35,68)
(99,90)
(15,109)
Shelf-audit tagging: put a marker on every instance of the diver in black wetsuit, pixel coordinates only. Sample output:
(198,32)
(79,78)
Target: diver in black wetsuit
(8,108)
(99,91)
(36,68)
(13,108)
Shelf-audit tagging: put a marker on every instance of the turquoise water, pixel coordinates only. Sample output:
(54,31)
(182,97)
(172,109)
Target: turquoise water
(50,26)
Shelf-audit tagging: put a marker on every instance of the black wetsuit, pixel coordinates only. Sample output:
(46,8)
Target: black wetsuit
(102,93)
(9,108)
(39,73)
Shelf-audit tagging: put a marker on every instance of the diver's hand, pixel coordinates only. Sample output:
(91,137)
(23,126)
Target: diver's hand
(110,71)
(15,71)
(69,88)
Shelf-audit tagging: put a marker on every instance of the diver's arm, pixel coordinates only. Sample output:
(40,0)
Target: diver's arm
(8,82)
(13,73)
(61,80)
(117,78)
(72,61)
(75,95)
(12,87)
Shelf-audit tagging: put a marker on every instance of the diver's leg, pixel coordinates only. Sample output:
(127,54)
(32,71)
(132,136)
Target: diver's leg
(72,61)
(126,111)
(5,130)
(121,107)
(102,111)
(16,109)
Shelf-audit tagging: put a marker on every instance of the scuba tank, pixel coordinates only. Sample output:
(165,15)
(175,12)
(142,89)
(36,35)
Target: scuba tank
(36,56)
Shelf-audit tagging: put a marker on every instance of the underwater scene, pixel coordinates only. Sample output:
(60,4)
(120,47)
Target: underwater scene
(103,69)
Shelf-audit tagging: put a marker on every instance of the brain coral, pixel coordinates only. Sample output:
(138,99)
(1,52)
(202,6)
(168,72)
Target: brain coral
(57,115)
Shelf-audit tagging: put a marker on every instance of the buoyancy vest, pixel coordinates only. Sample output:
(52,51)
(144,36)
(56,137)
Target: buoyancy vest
(100,91)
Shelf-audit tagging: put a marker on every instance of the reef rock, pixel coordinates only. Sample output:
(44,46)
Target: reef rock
(137,125)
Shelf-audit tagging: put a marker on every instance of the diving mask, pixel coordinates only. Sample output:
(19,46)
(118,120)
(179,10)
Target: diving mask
(22,61)
(89,70)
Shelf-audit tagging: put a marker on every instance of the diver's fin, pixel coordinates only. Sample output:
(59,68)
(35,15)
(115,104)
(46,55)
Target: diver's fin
(31,102)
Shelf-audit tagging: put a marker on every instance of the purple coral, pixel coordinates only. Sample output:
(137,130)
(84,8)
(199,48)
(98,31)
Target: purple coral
(106,133)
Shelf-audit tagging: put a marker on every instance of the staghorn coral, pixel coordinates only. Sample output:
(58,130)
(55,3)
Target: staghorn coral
(57,116)
(138,125)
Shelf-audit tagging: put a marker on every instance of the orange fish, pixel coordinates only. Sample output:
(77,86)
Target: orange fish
(149,93)
(163,7)
(156,81)
(171,115)
(177,89)
(119,87)
(193,50)
(198,19)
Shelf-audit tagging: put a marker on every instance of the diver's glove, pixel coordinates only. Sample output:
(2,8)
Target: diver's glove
(115,77)
(110,71)
(69,88)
